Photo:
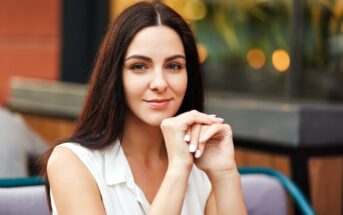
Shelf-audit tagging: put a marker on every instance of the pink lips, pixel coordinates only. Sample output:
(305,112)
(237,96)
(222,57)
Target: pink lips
(158,103)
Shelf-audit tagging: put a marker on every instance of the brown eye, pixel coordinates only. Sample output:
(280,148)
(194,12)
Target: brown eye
(174,66)
(138,67)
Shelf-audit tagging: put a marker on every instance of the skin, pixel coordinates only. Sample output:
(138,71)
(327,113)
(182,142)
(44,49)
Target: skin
(155,81)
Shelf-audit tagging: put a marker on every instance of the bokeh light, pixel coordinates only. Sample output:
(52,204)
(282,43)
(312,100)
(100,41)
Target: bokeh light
(281,60)
(177,5)
(195,10)
(202,50)
(117,7)
(256,58)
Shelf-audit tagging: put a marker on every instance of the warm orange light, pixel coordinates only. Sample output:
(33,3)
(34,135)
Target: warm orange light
(177,5)
(256,58)
(281,60)
(195,10)
(202,50)
(117,7)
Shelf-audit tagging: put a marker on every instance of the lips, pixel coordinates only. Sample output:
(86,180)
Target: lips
(158,103)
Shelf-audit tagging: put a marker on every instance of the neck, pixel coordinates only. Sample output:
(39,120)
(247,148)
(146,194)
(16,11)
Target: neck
(141,141)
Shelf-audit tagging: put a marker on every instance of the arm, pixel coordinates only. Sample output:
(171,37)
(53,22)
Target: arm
(217,160)
(72,185)
(227,195)
(170,197)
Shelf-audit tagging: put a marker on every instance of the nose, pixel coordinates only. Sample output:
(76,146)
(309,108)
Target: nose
(158,81)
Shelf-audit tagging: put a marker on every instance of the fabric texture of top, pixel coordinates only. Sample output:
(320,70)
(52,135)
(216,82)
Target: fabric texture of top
(120,194)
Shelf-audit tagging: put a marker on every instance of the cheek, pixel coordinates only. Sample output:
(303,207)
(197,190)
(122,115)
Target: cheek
(132,85)
(180,85)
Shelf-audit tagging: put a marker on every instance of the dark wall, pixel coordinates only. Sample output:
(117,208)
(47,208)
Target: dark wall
(84,23)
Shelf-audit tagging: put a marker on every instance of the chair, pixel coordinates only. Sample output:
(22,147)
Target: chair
(264,192)
(272,204)
(23,196)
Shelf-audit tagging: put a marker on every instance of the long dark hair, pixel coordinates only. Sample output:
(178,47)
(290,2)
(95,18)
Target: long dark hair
(102,118)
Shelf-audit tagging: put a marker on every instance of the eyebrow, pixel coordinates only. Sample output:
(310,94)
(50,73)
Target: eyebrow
(150,60)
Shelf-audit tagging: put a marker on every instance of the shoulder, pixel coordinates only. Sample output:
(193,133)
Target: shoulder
(64,165)
(71,157)
(68,177)
(73,147)
(62,156)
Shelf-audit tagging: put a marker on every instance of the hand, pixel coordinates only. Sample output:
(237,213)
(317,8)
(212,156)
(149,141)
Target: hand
(215,151)
(174,130)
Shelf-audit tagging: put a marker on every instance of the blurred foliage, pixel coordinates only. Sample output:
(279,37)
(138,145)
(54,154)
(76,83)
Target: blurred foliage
(232,31)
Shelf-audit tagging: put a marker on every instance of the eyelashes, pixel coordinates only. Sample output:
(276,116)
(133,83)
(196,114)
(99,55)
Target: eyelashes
(137,67)
(169,67)
(174,66)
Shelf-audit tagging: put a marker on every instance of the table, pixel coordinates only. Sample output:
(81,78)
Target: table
(299,129)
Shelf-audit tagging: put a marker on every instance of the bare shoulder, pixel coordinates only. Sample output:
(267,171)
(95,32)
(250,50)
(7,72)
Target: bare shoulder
(61,156)
(66,167)
(63,159)
(72,185)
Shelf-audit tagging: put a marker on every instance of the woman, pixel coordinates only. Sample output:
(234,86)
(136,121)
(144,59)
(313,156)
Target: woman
(141,130)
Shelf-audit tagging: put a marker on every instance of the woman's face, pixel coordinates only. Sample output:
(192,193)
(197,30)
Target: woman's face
(155,75)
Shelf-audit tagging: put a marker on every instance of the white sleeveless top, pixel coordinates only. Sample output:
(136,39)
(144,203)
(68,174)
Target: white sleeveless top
(119,192)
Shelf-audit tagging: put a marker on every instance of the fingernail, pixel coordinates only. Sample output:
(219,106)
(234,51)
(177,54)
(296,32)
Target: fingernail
(197,154)
(220,119)
(192,148)
(187,138)
(213,115)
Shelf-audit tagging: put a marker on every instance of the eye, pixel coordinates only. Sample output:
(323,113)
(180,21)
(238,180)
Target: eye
(138,67)
(174,66)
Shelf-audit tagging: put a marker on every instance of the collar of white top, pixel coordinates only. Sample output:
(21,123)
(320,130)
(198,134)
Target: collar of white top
(117,169)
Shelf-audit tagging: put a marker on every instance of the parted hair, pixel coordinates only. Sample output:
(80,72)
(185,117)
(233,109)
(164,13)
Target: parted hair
(101,120)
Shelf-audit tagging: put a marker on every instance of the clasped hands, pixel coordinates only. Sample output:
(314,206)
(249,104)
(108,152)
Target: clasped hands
(195,137)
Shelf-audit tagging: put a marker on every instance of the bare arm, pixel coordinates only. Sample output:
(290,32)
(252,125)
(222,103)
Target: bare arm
(219,164)
(227,195)
(73,187)
(170,197)
(210,208)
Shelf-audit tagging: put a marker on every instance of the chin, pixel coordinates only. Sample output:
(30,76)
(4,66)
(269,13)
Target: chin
(155,121)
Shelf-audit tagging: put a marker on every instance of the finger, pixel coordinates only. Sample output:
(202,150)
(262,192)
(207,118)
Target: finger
(201,145)
(213,130)
(187,137)
(195,132)
(192,117)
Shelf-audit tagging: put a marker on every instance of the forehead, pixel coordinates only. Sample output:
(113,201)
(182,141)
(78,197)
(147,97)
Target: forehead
(160,40)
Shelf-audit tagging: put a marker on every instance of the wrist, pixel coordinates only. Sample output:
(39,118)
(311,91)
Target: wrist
(224,172)
(178,172)
(180,165)
(226,179)
(219,176)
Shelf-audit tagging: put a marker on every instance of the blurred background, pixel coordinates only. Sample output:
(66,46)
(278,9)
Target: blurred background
(280,60)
